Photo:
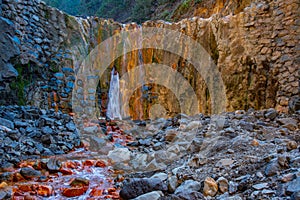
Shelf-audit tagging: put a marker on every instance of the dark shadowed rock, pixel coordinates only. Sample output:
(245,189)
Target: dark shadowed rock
(4,194)
(191,196)
(271,113)
(137,187)
(53,165)
(29,173)
(289,123)
(272,168)
(96,143)
(293,186)
(188,186)
(155,195)
(21,124)
(71,126)
(47,130)
(7,123)
(6,176)
(294,104)
(296,196)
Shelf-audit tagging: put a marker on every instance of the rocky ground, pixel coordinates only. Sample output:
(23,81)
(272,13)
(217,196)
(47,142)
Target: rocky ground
(28,133)
(238,155)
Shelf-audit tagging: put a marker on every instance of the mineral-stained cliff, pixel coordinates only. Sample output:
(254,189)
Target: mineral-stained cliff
(256,51)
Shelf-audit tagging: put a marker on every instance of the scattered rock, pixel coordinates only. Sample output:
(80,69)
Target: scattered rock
(170,135)
(45,191)
(119,155)
(288,123)
(225,162)
(260,186)
(210,187)
(138,187)
(29,173)
(233,187)
(3,185)
(295,196)
(155,195)
(272,168)
(7,123)
(71,126)
(291,145)
(293,186)
(161,176)
(91,130)
(223,184)
(288,177)
(53,165)
(188,186)
(74,192)
(47,130)
(172,183)
(271,114)
(80,182)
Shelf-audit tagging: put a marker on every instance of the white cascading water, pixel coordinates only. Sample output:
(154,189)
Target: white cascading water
(114,105)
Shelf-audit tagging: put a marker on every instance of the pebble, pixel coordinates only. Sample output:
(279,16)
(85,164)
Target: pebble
(272,168)
(53,165)
(225,162)
(155,195)
(291,145)
(3,185)
(210,187)
(29,173)
(265,191)
(271,114)
(293,186)
(172,183)
(188,187)
(7,123)
(79,182)
(223,184)
(295,196)
(288,177)
(119,155)
(91,130)
(47,130)
(161,176)
(288,123)
(260,186)
(233,187)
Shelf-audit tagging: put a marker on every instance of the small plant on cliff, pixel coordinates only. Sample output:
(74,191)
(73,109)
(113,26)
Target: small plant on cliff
(183,7)
(20,84)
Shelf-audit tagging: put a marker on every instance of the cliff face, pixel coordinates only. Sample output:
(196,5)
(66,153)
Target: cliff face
(256,52)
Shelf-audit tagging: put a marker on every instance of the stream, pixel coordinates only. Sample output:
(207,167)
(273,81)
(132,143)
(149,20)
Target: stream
(80,174)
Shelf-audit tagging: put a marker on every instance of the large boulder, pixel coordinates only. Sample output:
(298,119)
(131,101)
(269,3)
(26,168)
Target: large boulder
(138,187)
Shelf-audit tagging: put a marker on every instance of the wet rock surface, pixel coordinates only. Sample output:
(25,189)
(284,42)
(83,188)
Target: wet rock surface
(28,132)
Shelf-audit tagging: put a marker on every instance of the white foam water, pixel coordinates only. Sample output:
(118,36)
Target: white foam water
(114,105)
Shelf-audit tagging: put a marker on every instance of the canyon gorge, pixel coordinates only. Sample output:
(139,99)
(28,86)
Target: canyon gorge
(206,107)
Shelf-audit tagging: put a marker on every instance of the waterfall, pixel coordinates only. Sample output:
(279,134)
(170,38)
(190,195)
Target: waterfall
(114,105)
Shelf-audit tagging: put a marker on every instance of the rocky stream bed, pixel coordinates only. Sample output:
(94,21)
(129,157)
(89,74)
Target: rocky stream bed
(238,155)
